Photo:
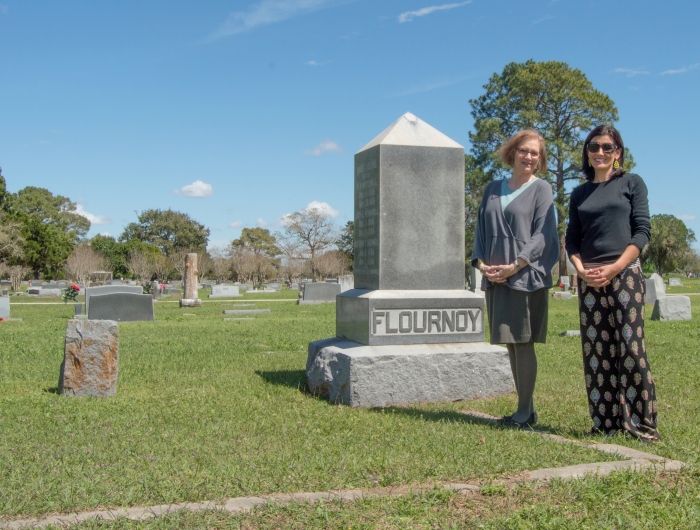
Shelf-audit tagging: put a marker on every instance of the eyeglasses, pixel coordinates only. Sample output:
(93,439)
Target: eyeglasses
(525,152)
(594,147)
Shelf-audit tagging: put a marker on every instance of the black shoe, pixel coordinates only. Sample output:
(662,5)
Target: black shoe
(527,423)
(508,421)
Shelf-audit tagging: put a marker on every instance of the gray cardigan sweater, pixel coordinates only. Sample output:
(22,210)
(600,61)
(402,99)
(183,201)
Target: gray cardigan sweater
(527,229)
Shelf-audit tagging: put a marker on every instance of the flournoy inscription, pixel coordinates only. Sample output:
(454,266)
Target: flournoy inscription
(426,321)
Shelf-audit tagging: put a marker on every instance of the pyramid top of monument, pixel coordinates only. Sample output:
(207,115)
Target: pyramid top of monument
(410,130)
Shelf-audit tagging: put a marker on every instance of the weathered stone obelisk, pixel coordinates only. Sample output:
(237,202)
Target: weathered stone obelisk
(409,331)
(191,295)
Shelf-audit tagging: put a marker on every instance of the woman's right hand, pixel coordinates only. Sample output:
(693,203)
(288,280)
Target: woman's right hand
(493,273)
(593,277)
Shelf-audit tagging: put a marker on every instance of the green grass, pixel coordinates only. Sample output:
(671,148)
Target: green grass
(208,409)
(622,501)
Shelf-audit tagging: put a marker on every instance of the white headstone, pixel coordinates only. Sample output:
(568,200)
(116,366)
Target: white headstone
(655,288)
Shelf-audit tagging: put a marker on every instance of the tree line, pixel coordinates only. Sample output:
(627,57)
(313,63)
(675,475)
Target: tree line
(41,235)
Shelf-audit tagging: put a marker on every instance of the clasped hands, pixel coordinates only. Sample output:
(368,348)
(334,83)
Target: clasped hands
(599,276)
(498,273)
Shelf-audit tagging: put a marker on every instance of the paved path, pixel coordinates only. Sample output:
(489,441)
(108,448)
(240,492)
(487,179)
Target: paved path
(633,460)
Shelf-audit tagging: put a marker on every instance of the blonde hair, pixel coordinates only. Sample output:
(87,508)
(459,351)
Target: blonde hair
(507,151)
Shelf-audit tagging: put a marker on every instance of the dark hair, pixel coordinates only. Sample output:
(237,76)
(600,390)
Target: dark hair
(603,130)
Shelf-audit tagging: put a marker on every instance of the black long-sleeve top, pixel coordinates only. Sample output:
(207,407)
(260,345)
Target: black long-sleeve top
(605,218)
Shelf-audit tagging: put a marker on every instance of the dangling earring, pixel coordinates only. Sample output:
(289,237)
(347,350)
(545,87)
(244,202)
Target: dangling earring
(589,163)
(616,164)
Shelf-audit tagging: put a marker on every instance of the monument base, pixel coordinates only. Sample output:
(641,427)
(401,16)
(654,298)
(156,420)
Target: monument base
(190,302)
(380,376)
(383,316)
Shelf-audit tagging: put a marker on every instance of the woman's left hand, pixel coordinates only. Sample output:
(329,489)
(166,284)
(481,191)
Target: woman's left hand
(604,275)
(500,273)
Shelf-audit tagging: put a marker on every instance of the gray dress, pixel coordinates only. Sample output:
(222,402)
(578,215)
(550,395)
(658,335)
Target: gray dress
(527,229)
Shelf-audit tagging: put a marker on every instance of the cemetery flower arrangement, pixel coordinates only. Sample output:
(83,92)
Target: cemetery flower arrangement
(147,289)
(71,293)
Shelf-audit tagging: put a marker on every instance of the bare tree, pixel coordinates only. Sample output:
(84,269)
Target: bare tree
(140,265)
(244,264)
(11,240)
(162,267)
(17,273)
(333,263)
(178,259)
(204,264)
(82,262)
(308,233)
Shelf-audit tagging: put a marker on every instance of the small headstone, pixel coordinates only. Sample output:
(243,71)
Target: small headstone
(155,290)
(475,278)
(78,309)
(672,308)
(674,282)
(655,289)
(562,295)
(5,284)
(245,311)
(294,286)
(346,282)
(319,293)
(90,359)
(4,307)
(224,291)
(564,282)
(122,307)
(275,286)
(109,289)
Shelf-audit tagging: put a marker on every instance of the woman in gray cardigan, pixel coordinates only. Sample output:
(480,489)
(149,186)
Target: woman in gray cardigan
(515,247)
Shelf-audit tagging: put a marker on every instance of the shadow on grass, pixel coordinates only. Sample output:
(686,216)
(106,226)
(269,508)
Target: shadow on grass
(51,390)
(457,417)
(289,378)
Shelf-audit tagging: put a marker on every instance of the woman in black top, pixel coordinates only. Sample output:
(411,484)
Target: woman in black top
(608,227)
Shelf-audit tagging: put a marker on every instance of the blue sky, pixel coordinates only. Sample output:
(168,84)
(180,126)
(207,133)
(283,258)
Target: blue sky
(240,112)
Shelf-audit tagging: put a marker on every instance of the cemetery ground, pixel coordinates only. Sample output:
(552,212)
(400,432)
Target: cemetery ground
(208,409)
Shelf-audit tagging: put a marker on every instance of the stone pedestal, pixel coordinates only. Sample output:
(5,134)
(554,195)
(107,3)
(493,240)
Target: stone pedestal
(90,359)
(380,376)
(184,302)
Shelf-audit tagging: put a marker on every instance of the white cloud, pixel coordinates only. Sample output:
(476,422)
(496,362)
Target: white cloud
(4,9)
(43,142)
(408,16)
(196,189)
(326,146)
(681,70)
(687,217)
(236,224)
(631,72)
(261,222)
(312,63)
(317,205)
(267,12)
(543,19)
(106,234)
(427,87)
(94,219)
(324,207)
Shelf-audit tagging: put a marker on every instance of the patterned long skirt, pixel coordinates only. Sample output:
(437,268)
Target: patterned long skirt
(620,387)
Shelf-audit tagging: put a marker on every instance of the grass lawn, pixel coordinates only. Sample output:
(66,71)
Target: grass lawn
(208,409)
